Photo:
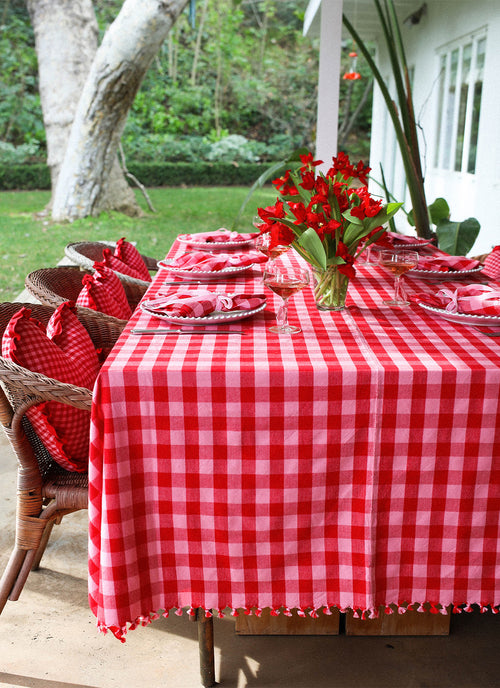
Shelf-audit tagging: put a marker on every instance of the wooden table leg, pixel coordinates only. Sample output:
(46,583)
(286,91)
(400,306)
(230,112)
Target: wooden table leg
(206,647)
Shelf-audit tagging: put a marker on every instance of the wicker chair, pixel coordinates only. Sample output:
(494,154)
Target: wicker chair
(45,491)
(53,286)
(86,253)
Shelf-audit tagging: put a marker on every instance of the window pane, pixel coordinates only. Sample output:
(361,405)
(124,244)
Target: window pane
(476,107)
(450,109)
(441,86)
(462,108)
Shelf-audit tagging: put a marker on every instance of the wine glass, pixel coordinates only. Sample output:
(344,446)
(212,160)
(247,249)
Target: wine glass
(398,262)
(262,244)
(284,281)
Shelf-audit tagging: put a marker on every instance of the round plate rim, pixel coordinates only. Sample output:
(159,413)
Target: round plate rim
(211,246)
(471,318)
(451,275)
(207,319)
(200,274)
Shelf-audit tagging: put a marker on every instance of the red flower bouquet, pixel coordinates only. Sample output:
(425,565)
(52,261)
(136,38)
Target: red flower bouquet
(327,220)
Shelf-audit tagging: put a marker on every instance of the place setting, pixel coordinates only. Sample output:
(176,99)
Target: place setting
(442,267)
(476,305)
(201,309)
(204,266)
(219,240)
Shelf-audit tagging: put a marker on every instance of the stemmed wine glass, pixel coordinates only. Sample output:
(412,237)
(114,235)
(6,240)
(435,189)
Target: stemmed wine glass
(398,262)
(263,240)
(284,281)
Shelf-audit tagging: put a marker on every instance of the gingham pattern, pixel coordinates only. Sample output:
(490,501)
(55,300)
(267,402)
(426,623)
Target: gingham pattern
(200,260)
(64,352)
(355,464)
(476,299)
(391,239)
(492,264)
(200,303)
(102,291)
(111,261)
(129,255)
(220,236)
(444,262)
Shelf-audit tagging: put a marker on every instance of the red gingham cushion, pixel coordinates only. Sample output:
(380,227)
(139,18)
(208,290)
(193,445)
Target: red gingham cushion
(492,264)
(102,291)
(129,255)
(63,351)
(114,263)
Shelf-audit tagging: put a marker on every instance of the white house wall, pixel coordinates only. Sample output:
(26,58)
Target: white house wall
(468,195)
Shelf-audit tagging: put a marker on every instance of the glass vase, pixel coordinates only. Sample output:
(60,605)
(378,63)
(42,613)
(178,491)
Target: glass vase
(330,288)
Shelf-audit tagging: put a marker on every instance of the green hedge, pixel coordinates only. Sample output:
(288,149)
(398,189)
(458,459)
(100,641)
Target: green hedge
(24,177)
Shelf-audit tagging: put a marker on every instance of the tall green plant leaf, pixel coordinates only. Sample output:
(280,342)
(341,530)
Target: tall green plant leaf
(293,162)
(408,145)
(310,242)
(457,238)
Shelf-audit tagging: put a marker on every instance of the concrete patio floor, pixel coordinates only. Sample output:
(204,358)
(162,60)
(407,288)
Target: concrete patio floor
(48,638)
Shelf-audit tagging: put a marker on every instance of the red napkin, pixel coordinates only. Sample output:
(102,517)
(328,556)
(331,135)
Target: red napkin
(445,263)
(474,299)
(209,262)
(391,239)
(200,303)
(220,236)
(492,264)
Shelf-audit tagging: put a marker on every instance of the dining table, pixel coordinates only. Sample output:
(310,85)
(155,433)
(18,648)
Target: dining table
(354,465)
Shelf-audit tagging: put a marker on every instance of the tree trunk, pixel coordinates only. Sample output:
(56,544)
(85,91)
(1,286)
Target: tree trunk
(119,66)
(66,42)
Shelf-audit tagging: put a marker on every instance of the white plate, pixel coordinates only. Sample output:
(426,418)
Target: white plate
(213,319)
(439,276)
(204,274)
(204,245)
(463,318)
(402,246)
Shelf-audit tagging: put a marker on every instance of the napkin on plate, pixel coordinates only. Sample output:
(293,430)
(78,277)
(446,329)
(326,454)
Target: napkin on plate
(220,236)
(473,299)
(209,262)
(492,264)
(200,303)
(390,239)
(443,262)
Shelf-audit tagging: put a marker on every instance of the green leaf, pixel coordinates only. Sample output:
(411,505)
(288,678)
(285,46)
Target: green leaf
(439,210)
(311,243)
(457,238)
(354,232)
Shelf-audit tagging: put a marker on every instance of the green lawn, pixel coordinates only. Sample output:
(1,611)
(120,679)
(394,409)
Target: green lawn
(29,242)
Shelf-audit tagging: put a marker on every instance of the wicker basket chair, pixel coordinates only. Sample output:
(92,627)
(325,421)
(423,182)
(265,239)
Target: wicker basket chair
(45,491)
(53,286)
(86,253)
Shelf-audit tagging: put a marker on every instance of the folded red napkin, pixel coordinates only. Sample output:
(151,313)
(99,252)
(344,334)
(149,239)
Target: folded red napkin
(219,236)
(199,260)
(492,264)
(442,262)
(391,239)
(474,299)
(200,303)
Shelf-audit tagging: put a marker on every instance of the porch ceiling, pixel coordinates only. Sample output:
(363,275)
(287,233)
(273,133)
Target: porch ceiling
(362,14)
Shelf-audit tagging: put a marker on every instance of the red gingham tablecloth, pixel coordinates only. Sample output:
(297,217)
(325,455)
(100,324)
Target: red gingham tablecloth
(353,465)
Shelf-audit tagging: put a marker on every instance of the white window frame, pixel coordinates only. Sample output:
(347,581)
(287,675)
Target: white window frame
(445,157)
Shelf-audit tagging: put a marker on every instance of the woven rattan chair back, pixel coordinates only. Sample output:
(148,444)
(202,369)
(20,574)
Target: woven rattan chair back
(45,491)
(86,253)
(53,286)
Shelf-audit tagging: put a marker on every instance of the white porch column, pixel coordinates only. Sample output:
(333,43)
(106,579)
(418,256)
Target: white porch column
(329,81)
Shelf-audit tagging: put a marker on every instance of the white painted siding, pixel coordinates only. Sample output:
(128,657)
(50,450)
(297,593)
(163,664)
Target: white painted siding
(476,195)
